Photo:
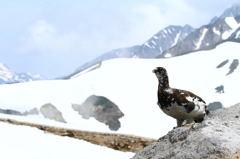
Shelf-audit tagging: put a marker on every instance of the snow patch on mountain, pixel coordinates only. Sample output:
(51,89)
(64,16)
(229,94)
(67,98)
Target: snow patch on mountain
(216,31)
(201,38)
(10,76)
(231,23)
(176,39)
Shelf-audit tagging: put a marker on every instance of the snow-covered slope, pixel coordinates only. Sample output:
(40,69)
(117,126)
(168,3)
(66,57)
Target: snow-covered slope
(131,85)
(29,143)
(10,76)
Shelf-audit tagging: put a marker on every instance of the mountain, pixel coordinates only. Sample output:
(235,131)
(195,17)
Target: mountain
(206,37)
(10,76)
(230,12)
(159,42)
(177,40)
(164,40)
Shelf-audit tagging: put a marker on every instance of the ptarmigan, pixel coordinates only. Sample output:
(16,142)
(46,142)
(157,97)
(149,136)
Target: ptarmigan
(179,104)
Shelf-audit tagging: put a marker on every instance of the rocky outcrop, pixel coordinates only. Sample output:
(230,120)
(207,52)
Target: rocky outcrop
(214,105)
(33,111)
(10,112)
(51,112)
(216,137)
(102,109)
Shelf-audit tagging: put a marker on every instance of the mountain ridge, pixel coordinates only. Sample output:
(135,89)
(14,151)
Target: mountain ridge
(153,48)
(8,76)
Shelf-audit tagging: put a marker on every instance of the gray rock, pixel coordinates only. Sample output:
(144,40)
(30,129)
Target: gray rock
(233,66)
(51,112)
(10,112)
(214,105)
(102,109)
(218,136)
(33,111)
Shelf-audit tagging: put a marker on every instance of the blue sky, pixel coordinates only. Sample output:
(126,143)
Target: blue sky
(54,37)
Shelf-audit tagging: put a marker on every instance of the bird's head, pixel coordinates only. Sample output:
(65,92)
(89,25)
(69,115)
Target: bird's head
(162,76)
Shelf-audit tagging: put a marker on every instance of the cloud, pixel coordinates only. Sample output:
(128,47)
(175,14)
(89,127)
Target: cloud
(42,36)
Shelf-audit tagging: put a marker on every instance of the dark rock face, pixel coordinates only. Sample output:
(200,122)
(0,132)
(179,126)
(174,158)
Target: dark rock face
(51,112)
(216,137)
(102,109)
(33,111)
(9,111)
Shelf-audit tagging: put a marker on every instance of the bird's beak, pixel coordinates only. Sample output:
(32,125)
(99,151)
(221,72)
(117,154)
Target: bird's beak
(154,71)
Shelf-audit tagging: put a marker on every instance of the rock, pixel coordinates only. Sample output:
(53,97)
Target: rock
(51,112)
(33,111)
(102,109)
(10,111)
(220,89)
(214,105)
(222,64)
(233,66)
(218,136)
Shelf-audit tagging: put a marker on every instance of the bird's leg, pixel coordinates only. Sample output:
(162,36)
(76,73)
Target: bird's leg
(179,123)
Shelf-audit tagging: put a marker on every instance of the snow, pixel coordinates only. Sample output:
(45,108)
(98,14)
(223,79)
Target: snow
(154,42)
(37,76)
(165,31)
(87,70)
(201,38)
(160,48)
(155,37)
(176,39)
(147,45)
(2,67)
(168,55)
(28,143)
(237,35)
(131,85)
(169,31)
(231,22)
(135,57)
(216,31)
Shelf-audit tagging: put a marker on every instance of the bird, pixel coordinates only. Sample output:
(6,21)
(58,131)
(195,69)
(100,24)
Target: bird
(180,104)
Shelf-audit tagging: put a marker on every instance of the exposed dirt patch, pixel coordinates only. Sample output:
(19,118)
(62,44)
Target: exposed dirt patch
(125,143)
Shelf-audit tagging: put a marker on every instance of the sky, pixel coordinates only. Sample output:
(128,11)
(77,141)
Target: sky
(55,37)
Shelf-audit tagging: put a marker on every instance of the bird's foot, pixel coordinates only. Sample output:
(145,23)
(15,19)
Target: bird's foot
(189,124)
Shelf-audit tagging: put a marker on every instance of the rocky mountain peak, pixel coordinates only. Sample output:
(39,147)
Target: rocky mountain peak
(9,76)
(230,12)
